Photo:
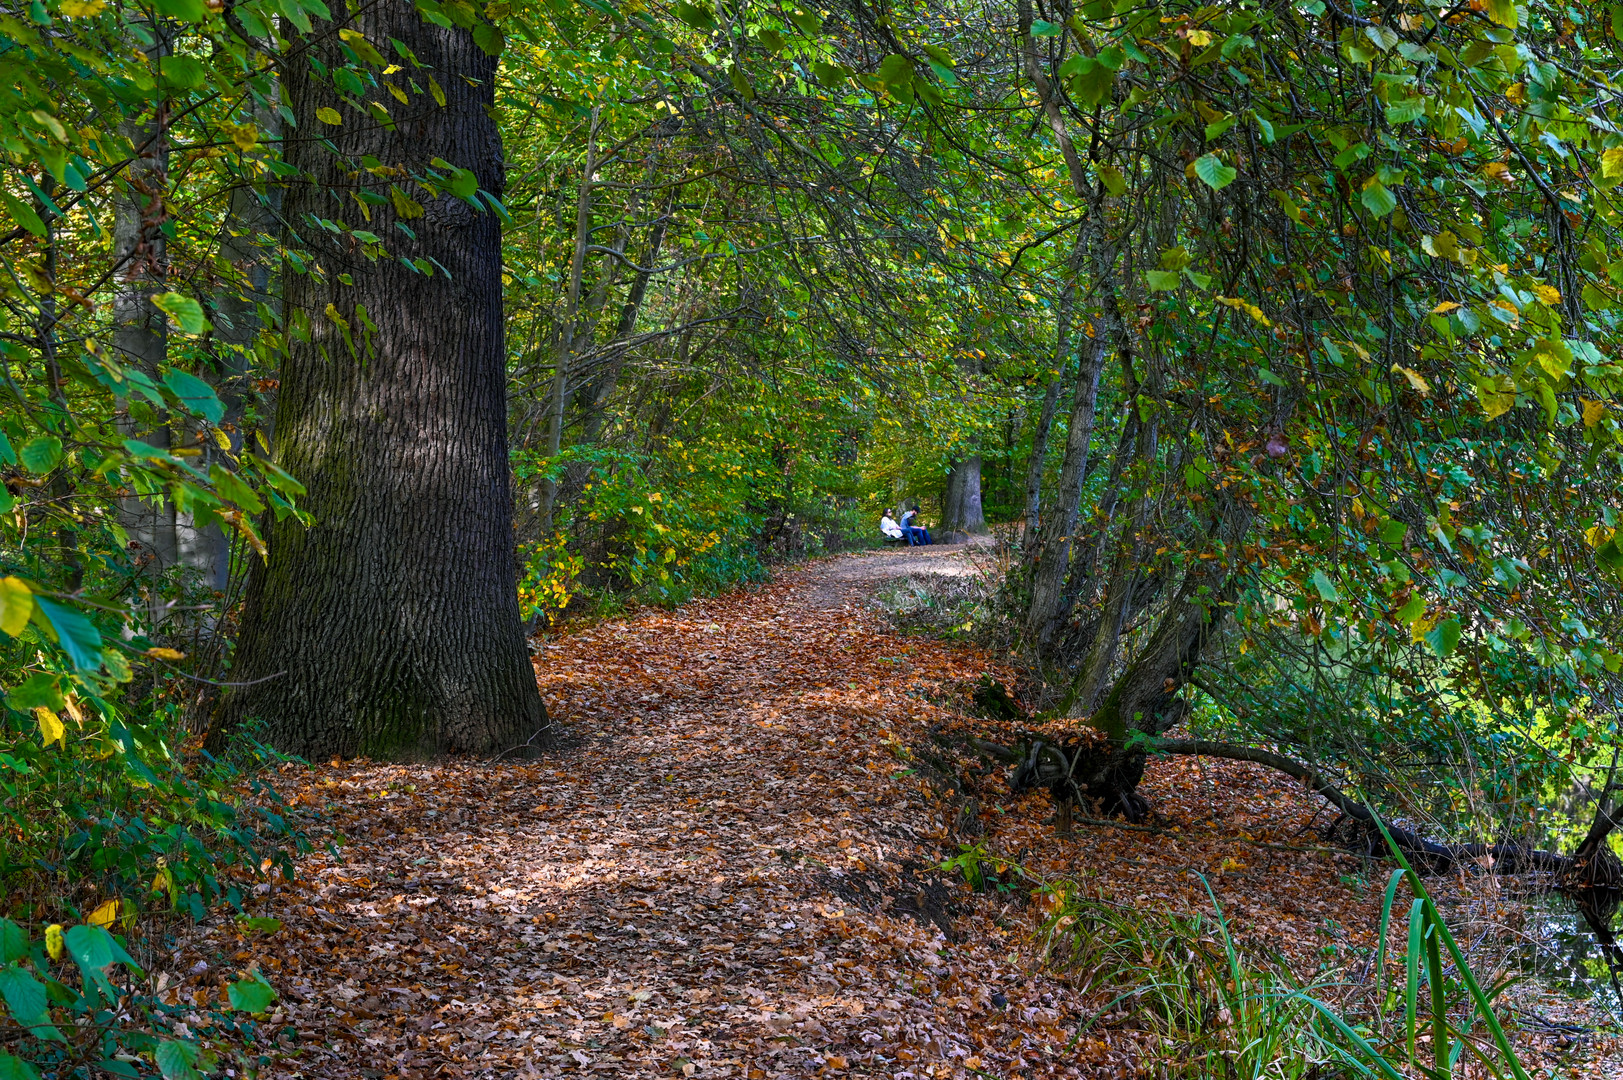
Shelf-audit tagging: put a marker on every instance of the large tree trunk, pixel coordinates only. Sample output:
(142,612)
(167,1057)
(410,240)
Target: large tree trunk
(390,627)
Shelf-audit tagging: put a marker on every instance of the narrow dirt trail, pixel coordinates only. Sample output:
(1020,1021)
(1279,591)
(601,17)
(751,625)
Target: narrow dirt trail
(728,870)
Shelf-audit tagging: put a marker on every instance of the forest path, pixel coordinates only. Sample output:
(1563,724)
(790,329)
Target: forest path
(717,875)
(726,870)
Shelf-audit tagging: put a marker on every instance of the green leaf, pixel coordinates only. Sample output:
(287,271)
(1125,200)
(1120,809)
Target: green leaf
(25,1000)
(1161,280)
(13,942)
(1092,87)
(178,1060)
(1610,554)
(1377,199)
(830,75)
(1112,179)
(233,489)
(94,949)
(1040,28)
(40,454)
(1326,587)
(489,39)
(698,16)
(251,995)
(1503,12)
(1402,112)
(896,70)
(1213,173)
(1412,610)
(187,312)
(1393,532)
(76,634)
(15,1068)
(1444,637)
(195,394)
(41,688)
(182,72)
(464,184)
(185,10)
(22,213)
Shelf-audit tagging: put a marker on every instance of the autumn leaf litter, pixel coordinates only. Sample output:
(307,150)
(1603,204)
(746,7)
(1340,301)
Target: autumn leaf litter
(730,868)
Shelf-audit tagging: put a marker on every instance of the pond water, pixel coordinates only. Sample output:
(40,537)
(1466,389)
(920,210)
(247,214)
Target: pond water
(1562,949)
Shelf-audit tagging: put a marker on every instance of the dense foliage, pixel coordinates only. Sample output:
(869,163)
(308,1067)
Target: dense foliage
(1289,329)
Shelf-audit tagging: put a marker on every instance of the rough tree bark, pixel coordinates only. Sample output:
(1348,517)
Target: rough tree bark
(390,627)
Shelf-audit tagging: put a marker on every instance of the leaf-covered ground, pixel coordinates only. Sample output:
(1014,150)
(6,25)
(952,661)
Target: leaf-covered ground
(728,869)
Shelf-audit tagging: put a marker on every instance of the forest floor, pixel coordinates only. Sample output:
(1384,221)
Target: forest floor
(728,868)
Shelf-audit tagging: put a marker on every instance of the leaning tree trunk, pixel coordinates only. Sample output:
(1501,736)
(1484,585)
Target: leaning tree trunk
(390,627)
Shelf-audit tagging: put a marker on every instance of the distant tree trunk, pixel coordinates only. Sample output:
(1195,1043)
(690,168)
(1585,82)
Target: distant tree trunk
(963,516)
(245,243)
(140,329)
(390,627)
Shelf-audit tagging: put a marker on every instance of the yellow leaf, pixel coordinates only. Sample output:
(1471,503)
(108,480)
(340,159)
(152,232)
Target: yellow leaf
(50,727)
(1495,402)
(82,9)
(1611,162)
(73,711)
(104,915)
(329,116)
(53,941)
(1445,307)
(399,94)
(1416,380)
(16,605)
(1598,535)
(435,92)
(222,440)
(1200,38)
(159,652)
(1548,295)
(1594,411)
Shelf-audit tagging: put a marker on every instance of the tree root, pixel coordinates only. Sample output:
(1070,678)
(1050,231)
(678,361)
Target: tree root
(1079,774)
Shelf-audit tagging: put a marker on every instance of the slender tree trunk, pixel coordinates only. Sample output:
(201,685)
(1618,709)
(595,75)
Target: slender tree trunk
(140,331)
(246,243)
(571,325)
(603,387)
(390,627)
(1045,423)
(67,535)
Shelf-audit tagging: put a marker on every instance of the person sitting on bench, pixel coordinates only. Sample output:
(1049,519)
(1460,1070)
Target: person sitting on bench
(888,526)
(917,535)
